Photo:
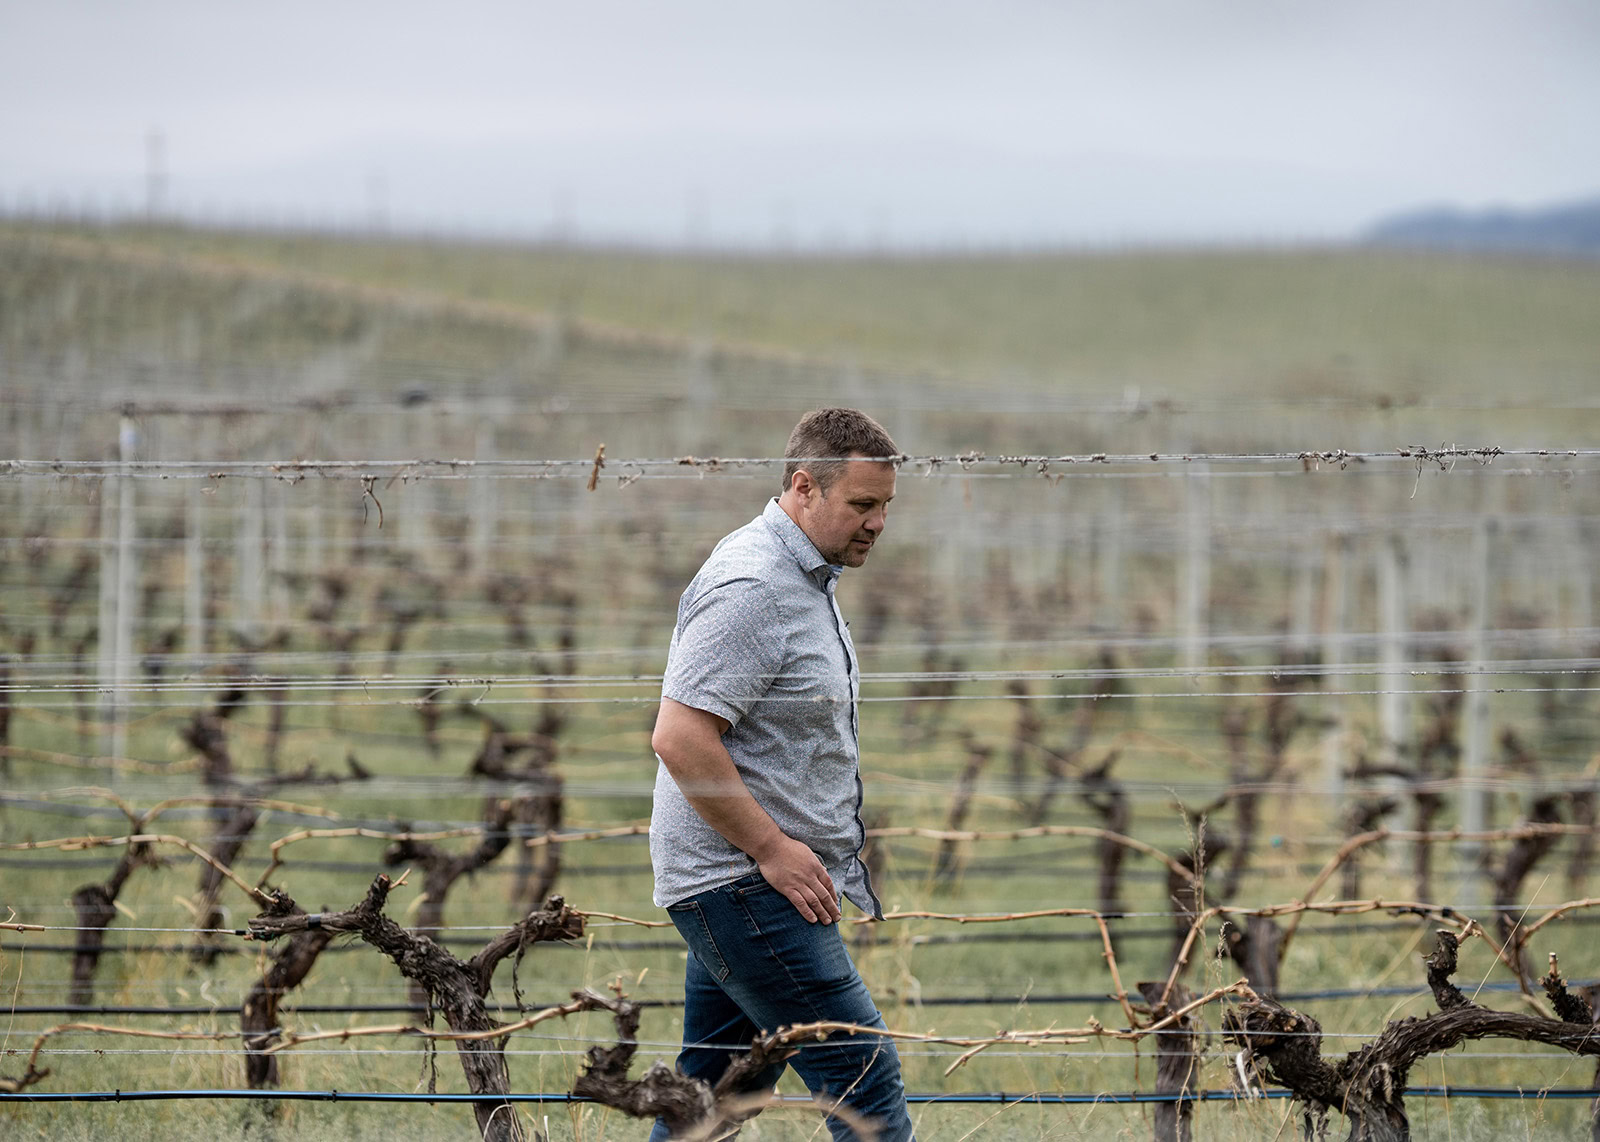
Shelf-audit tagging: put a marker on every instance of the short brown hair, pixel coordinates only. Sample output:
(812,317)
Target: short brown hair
(833,434)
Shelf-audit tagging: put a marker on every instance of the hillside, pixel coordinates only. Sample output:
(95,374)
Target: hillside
(1571,229)
(1366,323)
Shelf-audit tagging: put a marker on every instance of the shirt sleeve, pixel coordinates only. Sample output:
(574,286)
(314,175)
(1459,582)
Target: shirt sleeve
(728,650)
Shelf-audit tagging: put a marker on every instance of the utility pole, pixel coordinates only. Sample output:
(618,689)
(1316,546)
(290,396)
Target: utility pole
(127,572)
(155,175)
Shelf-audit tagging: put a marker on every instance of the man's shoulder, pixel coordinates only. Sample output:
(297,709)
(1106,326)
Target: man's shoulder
(752,550)
(749,565)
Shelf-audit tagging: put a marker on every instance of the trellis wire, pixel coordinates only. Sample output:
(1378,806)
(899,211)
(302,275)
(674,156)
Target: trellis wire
(259,682)
(494,699)
(959,464)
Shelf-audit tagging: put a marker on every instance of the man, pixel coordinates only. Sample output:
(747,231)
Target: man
(756,828)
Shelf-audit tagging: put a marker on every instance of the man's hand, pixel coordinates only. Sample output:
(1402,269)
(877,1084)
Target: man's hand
(794,870)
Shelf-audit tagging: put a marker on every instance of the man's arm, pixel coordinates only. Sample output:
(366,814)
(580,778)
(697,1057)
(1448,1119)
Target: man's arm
(689,743)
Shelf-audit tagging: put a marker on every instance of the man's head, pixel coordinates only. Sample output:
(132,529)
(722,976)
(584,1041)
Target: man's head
(838,481)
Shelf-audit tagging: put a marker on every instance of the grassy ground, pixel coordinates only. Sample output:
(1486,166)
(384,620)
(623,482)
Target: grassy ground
(906,965)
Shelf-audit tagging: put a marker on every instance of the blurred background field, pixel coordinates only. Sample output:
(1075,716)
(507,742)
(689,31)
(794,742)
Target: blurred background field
(1297,631)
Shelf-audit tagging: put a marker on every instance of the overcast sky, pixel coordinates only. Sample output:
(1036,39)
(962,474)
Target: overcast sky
(854,123)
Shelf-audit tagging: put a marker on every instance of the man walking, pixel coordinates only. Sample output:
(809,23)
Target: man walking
(756,829)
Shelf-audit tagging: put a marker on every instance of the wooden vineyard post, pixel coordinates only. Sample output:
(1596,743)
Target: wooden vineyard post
(1579,564)
(194,564)
(1475,718)
(1393,709)
(1335,624)
(279,562)
(127,578)
(698,399)
(1047,537)
(960,550)
(1108,558)
(483,491)
(312,534)
(249,564)
(1302,606)
(413,520)
(1194,591)
(105,627)
(314,529)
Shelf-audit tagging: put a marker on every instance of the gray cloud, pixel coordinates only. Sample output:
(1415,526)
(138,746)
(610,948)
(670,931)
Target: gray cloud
(1008,120)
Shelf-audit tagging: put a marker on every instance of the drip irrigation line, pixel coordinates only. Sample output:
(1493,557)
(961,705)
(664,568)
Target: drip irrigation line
(905,1051)
(1025,999)
(1010,1098)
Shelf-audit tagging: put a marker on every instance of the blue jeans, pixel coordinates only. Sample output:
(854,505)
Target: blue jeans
(755,965)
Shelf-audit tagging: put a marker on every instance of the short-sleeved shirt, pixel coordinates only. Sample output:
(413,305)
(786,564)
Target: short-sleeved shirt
(760,641)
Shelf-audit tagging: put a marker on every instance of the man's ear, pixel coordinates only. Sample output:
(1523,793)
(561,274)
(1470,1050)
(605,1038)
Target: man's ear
(802,484)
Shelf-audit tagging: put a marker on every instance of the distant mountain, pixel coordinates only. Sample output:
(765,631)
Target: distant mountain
(1570,229)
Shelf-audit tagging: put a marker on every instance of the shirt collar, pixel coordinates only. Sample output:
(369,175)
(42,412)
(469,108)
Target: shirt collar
(805,552)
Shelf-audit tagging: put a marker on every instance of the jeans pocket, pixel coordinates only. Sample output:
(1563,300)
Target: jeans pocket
(755,882)
(691,924)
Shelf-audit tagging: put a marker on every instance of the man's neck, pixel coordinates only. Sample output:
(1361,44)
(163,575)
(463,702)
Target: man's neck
(790,504)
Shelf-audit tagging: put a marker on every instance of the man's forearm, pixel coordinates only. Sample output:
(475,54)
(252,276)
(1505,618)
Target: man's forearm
(710,782)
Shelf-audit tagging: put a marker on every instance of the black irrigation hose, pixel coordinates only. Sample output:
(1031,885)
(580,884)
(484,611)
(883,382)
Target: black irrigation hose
(933,939)
(1033,998)
(1021,1098)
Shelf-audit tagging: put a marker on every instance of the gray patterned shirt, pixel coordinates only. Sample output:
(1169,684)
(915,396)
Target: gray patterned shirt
(760,641)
